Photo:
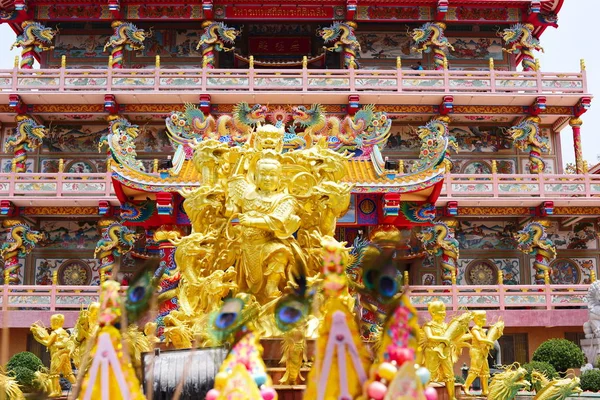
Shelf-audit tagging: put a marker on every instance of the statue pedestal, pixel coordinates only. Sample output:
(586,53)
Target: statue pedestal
(591,349)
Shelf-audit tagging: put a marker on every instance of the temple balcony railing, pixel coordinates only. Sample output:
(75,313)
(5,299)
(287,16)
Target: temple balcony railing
(518,305)
(269,86)
(57,189)
(86,189)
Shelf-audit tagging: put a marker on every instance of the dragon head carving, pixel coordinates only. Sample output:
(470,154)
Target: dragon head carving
(247,115)
(21,239)
(28,133)
(116,240)
(430,34)
(128,35)
(35,34)
(520,36)
(533,237)
(527,134)
(438,238)
(306,117)
(217,33)
(505,385)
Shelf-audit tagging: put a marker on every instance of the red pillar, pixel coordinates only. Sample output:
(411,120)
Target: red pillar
(576,125)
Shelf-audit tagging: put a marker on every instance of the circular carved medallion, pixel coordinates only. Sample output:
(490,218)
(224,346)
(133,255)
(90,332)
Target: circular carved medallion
(367,206)
(481,272)
(564,271)
(74,272)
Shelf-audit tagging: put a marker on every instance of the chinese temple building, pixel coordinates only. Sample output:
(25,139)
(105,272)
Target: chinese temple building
(446,124)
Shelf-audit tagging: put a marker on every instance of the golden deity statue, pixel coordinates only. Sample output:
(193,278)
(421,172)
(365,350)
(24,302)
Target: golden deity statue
(60,347)
(481,344)
(258,218)
(268,218)
(442,342)
(150,332)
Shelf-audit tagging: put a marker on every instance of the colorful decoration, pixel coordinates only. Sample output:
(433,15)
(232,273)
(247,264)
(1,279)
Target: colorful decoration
(533,240)
(243,374)
(28,136)
(507,384)
(215,37)
(137,212)
(57,343)
(34,39)
(520,41)
(430,37)
(192,126)
(168,273)
(436,144)
(116,240)
(394,375)
(340,370)
(481,344)
(362,131)
(418,212)
(110,374)
(120,142)
(439,240)
(341,34)
(526,137)
(126,36)
(20,242)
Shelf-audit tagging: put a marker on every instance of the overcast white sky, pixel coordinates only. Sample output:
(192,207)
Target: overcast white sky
(575,38)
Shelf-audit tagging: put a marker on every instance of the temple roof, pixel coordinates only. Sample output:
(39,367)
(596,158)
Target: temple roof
(361,173)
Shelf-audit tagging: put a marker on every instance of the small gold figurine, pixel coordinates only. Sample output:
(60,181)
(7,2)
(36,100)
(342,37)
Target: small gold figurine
(85,330)
(480,347)
(58,343)
(294,355)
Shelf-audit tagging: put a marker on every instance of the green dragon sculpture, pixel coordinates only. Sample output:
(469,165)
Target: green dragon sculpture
(28,136)
(533,240)
(116,240)
(343,38)
(34,39)
(20,242)
(120,141)
(215,37)
(526,137)
(192,126)
(520,40)
(436,144)
(556,389)
(439,239)
(364,130)
(430,37)
(126,36)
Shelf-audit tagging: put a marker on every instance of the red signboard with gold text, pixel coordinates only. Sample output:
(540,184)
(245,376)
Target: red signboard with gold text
(279,45)
(275,12)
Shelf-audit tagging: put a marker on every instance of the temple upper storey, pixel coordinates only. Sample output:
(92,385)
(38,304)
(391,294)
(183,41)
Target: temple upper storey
(465,35)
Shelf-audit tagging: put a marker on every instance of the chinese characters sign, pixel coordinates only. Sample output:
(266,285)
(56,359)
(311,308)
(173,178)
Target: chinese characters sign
(279,45)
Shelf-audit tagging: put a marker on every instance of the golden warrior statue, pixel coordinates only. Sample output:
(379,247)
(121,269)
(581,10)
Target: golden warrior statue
(268,217)
(58,343)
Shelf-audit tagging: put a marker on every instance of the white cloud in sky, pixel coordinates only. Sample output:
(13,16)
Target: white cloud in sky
(564,47)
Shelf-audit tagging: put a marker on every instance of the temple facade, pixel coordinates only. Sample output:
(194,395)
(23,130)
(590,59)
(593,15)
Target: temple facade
(502,224)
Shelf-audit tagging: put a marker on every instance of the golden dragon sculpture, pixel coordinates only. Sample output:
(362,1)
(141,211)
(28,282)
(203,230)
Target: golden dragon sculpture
(556,389)
(21,241)
(520,40)
(430,37)
(439,240)
(34,39)
(533,240)
(27,137)
(116,240)
(126,36)
(526,137)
